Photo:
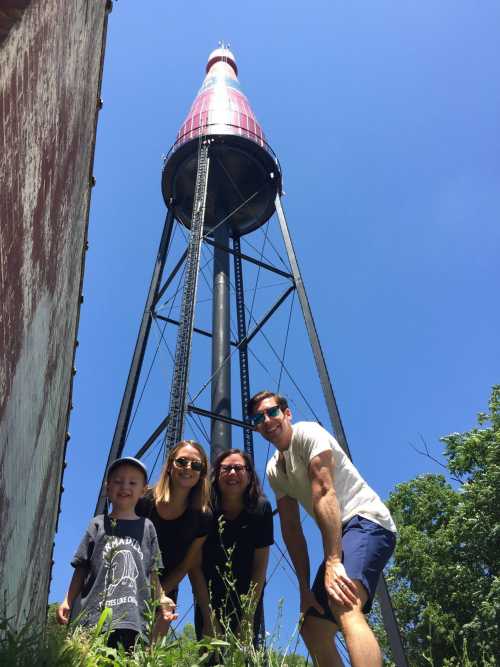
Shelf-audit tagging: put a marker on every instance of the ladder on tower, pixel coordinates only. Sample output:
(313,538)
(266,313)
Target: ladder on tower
(242,346)
(178,390)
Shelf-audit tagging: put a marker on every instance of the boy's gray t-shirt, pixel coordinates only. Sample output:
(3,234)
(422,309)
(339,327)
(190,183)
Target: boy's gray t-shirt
(119,555)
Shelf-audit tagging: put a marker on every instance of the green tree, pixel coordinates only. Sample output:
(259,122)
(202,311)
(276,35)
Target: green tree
(444,577)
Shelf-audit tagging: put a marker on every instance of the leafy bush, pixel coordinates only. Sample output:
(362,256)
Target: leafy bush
(444,578)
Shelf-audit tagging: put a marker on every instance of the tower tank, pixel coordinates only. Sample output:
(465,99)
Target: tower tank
(244,173)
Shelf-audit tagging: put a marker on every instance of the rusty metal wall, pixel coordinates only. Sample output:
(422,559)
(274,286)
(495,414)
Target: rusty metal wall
(51,55)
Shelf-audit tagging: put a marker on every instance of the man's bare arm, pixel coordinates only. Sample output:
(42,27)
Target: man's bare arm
(296,545)
(327,512)
(325,504)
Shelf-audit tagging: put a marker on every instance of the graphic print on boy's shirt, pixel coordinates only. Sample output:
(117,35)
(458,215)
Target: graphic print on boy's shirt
(122,571)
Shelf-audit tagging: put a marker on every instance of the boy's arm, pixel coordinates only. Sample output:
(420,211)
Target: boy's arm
(75,588)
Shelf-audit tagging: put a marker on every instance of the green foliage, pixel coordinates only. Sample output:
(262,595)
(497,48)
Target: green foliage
(444,577)
(29,646)
(57,646)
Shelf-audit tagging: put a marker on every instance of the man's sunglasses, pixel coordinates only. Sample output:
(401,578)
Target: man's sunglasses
(183,462)
(259,417)
(237,467)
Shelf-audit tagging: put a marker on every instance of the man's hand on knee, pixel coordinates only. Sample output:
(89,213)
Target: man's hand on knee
(340,589)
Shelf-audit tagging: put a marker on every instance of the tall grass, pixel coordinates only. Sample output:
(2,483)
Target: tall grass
(56,646)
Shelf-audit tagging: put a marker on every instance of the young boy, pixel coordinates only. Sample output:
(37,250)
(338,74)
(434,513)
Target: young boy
(117,561)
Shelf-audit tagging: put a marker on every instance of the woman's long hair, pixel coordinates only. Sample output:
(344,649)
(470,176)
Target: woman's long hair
(254,489)
(199,496)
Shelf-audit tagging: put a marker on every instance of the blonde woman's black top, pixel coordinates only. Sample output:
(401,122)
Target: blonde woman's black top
(175,536)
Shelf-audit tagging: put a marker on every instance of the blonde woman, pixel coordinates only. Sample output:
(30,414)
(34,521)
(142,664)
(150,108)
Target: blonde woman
(177,505)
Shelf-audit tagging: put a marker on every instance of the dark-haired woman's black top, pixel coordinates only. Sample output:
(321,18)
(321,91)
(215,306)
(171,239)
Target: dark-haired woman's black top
(234,541)
(175,536)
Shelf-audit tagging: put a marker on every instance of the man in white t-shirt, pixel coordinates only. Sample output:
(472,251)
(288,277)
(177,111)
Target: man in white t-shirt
(310,468)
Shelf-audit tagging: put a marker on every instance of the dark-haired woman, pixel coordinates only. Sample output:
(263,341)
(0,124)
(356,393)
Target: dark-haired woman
(178,507)
(241,535)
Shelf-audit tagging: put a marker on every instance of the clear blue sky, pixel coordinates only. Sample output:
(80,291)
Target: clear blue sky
(386,120)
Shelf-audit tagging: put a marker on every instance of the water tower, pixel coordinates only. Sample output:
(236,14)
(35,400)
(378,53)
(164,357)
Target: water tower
(221,181)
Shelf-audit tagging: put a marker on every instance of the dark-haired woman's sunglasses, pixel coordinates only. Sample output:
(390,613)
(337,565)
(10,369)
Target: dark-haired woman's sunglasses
(259,417)
(183,462)
(237,467)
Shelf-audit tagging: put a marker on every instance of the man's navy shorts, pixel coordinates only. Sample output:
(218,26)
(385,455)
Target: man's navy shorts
(366,548)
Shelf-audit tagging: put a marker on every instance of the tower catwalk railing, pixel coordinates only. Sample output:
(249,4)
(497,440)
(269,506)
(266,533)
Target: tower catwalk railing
(178,390)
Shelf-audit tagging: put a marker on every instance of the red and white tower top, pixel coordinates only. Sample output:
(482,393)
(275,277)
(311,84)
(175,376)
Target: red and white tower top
(220,106)
(244,165)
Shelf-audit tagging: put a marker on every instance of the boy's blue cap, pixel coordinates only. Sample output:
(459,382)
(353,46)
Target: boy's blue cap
(131,461)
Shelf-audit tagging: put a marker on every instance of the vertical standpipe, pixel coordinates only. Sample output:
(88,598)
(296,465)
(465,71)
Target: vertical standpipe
(220,439)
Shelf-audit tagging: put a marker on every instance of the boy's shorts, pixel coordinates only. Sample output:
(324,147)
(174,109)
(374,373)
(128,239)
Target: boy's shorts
(123,636)
(366,548)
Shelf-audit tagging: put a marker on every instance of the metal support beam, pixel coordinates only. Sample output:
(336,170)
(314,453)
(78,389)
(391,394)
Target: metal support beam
(267,316)
(172,275)
(249,258)
(213,415)
(203,332)
(220,433)
(230,215)
(156,433)
(122,422)
(319,358)
(390,624)
(390,621)
(243,351)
